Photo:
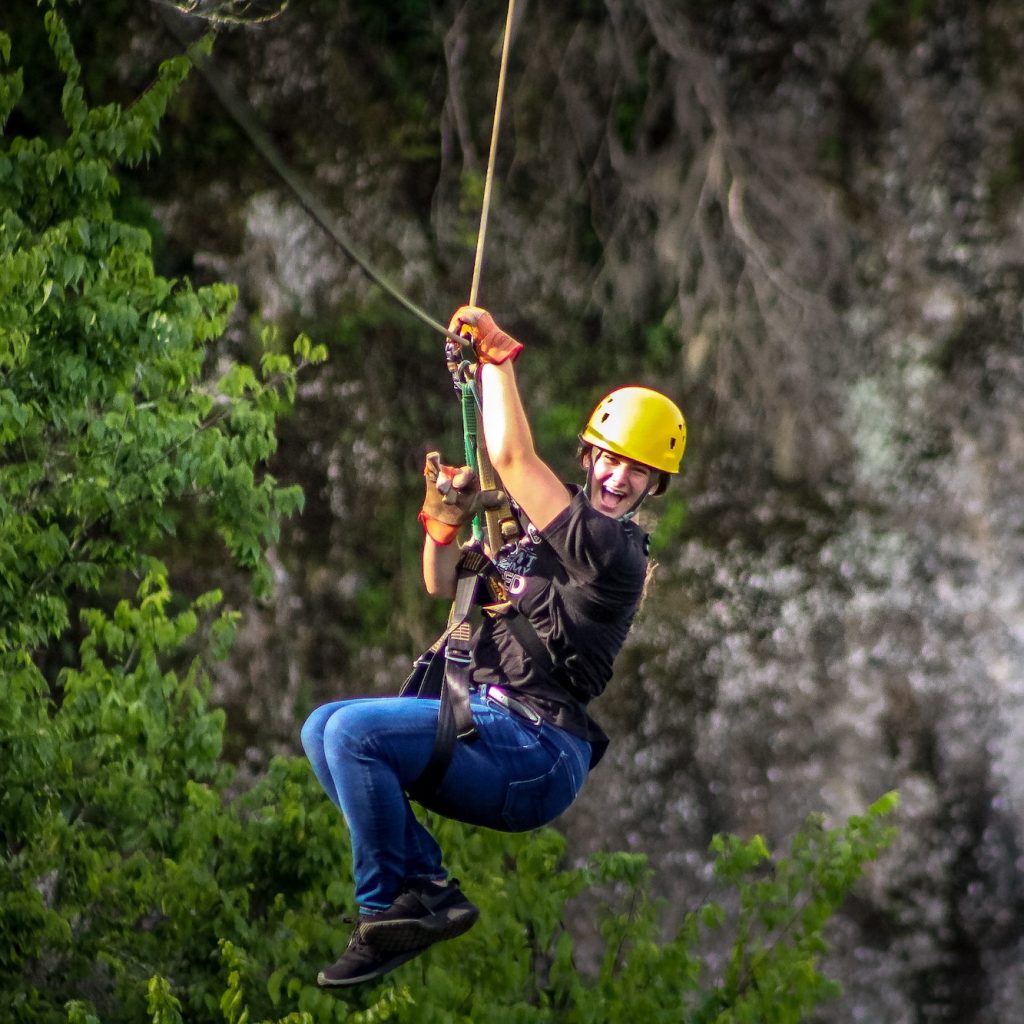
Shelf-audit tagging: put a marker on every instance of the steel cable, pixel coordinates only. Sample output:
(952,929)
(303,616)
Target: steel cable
(309,202)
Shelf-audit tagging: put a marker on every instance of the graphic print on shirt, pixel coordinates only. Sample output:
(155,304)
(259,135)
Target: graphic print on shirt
(515,565)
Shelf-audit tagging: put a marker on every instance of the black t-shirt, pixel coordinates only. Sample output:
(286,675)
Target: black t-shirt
(579,583)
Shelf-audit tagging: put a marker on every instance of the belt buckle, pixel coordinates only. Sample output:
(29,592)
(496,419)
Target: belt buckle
(512,706)
(500,697)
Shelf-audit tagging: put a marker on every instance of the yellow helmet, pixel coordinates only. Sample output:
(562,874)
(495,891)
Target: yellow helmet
(639,424)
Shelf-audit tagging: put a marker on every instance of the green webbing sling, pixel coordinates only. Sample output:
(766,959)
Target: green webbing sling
(470,431)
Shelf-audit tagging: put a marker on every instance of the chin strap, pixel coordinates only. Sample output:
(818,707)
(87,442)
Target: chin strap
(628,516)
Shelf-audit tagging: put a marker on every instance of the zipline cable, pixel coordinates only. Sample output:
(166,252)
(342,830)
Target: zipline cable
(243,118)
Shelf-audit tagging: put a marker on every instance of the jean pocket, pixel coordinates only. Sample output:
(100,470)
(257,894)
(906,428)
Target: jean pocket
(535,802)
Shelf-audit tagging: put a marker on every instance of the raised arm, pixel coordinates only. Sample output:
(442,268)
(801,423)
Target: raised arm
(524,475)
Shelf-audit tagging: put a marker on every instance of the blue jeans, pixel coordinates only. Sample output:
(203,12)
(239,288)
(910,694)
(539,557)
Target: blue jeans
(515,777)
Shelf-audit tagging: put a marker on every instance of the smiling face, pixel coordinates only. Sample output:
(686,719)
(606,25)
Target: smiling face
(617,483)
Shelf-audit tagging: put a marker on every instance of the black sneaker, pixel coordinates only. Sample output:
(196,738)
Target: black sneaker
(425,913)
(361,962)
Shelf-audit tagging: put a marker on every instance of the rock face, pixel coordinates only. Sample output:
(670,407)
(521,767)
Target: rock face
(804,220)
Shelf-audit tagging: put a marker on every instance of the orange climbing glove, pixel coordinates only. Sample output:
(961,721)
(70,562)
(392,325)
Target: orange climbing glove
(453,497)
(490,342)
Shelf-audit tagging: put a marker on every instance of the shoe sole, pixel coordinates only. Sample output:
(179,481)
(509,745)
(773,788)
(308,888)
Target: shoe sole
(381,969)
(415,934)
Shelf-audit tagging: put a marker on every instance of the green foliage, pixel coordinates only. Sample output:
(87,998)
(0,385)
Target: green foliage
(776,908)
(109,430)
(671,519)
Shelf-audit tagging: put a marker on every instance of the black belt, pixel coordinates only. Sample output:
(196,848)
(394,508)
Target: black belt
(517,707)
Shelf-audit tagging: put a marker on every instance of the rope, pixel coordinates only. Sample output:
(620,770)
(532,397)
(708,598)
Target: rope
(485,209)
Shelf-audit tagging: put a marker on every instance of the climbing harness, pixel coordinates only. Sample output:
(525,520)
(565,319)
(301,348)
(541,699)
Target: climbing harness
(495,524)
(443,671)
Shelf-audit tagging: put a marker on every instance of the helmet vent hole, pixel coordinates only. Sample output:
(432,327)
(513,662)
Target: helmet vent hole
(605,416)
(671,442)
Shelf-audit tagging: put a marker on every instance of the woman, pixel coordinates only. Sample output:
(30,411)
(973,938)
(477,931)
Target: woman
(576,576)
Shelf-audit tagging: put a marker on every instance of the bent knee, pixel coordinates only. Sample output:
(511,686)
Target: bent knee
(312,733)
(379,728)
(350,727)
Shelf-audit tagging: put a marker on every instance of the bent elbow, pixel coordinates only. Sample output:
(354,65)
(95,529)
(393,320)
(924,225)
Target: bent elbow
(507,460)
(500,461)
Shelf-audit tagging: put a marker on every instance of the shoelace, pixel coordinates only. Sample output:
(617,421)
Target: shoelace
(356,940)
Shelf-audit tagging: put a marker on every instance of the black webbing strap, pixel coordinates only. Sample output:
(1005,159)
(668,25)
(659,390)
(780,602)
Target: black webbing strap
(458,654)
(445,674)
(530,642)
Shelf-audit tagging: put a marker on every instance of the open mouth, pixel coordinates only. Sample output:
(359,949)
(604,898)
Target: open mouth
(610,500)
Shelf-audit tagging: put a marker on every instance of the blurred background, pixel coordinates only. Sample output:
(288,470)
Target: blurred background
(804,220)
